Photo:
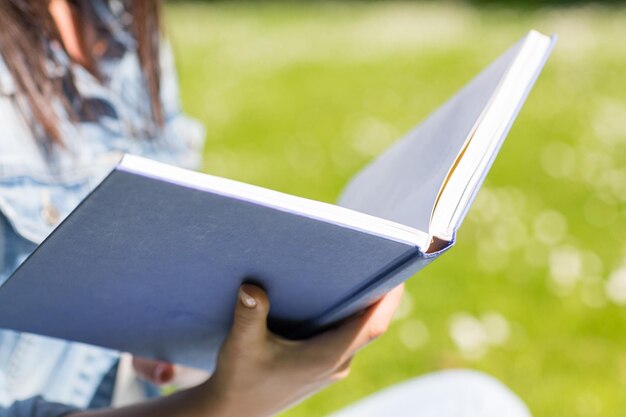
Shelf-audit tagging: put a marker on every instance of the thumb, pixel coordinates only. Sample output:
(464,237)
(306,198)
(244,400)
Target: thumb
(250,323)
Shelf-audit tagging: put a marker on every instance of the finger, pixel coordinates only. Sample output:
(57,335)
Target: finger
(250,322)
(345,366)
(357,332)
(343,370)
(157,372)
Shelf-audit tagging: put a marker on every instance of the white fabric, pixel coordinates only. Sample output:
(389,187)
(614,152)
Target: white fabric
(456,393)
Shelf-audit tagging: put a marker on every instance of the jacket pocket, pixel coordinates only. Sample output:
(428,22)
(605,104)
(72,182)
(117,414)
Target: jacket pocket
(34,208)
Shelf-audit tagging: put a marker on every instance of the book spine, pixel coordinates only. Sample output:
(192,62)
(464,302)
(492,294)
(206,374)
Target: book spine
(381,284)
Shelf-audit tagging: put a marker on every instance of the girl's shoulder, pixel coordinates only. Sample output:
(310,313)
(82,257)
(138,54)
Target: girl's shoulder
(40,185)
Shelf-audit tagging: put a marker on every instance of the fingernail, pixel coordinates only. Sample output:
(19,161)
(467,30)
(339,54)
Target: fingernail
(246,299)
(159,373)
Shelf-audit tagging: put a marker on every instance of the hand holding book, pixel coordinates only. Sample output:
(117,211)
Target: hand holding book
(258,373)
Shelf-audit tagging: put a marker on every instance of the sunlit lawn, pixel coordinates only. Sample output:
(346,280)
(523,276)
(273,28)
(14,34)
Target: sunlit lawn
(297,97)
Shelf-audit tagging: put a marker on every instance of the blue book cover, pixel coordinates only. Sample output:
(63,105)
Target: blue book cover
(151,261)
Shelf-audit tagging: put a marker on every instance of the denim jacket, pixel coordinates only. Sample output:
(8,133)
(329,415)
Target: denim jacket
(40,186)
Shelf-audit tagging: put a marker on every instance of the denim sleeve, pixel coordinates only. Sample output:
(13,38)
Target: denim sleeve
(37,407)
(13,248)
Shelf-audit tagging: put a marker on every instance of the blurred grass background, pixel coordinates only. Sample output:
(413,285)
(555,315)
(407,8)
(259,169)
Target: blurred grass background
(297,96)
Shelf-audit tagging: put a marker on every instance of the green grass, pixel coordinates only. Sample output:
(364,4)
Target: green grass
(298,96)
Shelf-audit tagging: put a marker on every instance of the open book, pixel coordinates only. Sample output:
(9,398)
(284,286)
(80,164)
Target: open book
(150,262)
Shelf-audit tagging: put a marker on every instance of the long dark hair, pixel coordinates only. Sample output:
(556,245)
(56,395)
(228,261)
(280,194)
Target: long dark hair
(27,31)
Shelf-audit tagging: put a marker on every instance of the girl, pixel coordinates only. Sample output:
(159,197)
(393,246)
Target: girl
(81,82)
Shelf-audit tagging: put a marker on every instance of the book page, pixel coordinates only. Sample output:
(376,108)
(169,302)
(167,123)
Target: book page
(470,169)
(404,182)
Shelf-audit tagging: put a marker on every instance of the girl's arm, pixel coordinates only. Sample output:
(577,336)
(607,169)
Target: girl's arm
(258,373)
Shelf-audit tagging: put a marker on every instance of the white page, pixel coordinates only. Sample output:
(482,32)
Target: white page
(403,183)
(465,181)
